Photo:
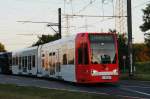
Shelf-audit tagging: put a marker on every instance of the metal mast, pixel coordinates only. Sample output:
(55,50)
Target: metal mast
(129,24)
(120,22)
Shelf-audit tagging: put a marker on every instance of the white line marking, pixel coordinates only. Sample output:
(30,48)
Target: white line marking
(136,80)
(136,91)
(125,84)
(74,90)
(130,97)
(137,86)
(144,81)
(93,92)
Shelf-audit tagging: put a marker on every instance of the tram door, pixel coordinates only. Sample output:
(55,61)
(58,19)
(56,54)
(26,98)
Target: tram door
(54,63)
(57,63)
(25,64)
(29,64)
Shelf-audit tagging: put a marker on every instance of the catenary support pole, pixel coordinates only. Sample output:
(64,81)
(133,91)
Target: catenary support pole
(59,22)
(129,25)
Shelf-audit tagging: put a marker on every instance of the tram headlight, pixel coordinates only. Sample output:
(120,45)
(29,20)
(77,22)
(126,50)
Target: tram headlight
(115,72)
(94,72)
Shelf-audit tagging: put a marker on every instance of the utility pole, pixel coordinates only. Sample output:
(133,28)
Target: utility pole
(129,25)
(59,22)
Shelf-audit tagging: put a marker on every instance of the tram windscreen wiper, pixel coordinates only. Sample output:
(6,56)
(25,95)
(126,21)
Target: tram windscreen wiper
(105,59)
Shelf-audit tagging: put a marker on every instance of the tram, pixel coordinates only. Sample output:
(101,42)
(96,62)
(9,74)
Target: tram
(83,58)
(5,62)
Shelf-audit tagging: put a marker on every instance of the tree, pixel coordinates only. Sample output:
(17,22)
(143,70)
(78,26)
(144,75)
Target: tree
(112,30)
(122,50)
(45,39)
(145,27)
(141,53)
(2,48)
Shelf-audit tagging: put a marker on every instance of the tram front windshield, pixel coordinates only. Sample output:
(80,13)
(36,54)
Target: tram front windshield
(102,49)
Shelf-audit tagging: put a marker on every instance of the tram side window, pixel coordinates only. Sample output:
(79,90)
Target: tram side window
(10,61)
(80,55)
(29,62)
(50,54)
(64,59)
(43,63)
(13,61)
(53,53)
(83,57)
(33,61)
(50,59)
(22,61)
(53,64)
(25,61)
(71,56)
(85,54)
(43,58)
(20,64)
(16,60)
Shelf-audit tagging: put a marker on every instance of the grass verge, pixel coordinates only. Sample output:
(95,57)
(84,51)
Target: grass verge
(142,77)
(9,91)
(142,72)
(142,67)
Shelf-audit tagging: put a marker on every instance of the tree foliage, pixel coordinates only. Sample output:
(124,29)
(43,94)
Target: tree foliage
(146,25)
(147,39)
(146,19)
(141,53)
(122,51)
(2,48)
(45,39)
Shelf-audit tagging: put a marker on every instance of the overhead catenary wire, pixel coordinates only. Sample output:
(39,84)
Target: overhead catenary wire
(82,15)
(103,16)
(72,8)
(86,6)
(143,3)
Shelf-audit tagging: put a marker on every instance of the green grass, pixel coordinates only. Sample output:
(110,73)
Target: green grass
(142,72)
(19,92)
(143,77)
(142,67)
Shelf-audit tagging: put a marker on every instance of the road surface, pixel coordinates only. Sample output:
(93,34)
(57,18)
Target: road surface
(124,89)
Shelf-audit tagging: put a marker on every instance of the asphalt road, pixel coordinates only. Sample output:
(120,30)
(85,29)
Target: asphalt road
(124,89)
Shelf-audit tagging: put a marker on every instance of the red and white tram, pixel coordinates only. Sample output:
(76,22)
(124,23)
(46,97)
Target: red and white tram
(84,58)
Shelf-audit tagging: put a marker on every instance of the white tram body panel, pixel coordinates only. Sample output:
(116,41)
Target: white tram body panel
(24,62)
(57,59)
(52,60)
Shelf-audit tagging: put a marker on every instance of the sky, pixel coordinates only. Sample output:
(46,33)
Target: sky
(15,35)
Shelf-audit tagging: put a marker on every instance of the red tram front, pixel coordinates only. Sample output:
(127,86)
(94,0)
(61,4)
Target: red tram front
(96,58)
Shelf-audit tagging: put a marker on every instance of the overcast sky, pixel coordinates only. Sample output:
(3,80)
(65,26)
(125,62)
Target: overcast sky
(12,32)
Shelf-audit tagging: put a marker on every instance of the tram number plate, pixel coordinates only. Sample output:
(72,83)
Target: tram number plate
(106,77)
